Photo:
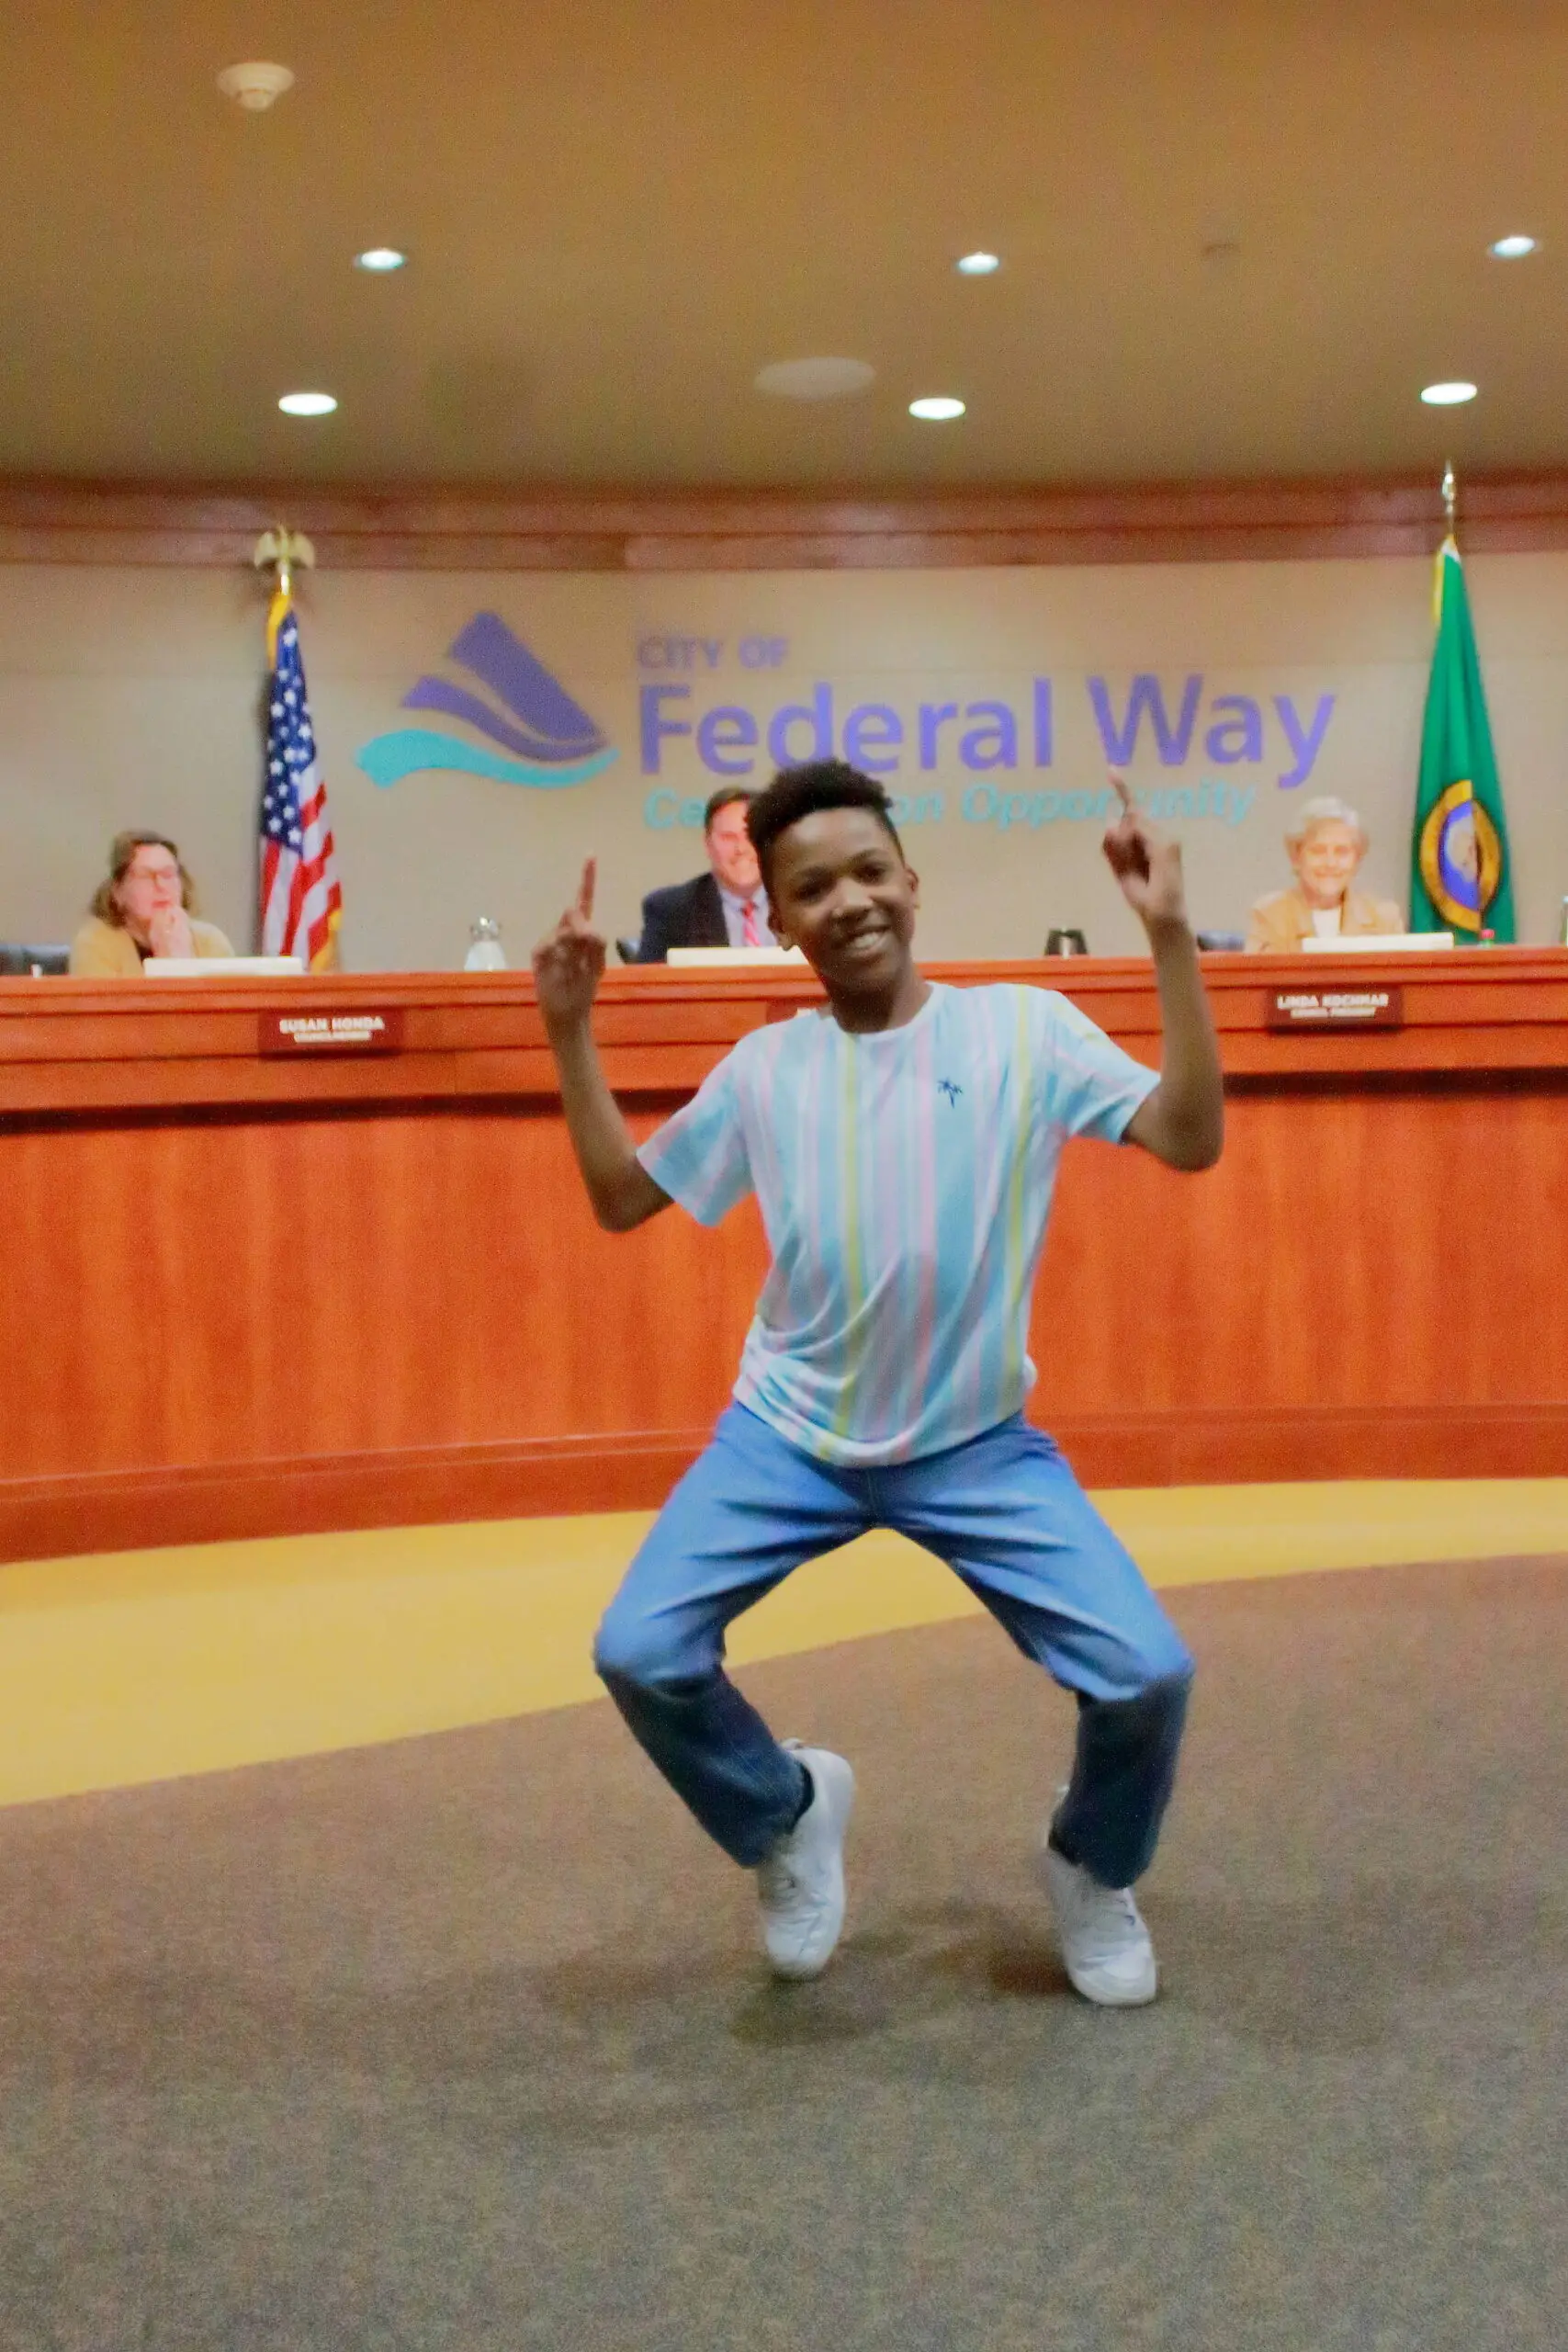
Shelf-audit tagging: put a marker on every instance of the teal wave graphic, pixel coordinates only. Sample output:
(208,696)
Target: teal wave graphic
(408,750)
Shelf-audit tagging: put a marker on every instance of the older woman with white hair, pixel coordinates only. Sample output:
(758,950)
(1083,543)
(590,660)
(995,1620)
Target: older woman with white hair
(1326,845)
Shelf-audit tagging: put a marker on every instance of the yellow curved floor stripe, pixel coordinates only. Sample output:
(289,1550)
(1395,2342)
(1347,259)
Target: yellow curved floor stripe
(143,1666)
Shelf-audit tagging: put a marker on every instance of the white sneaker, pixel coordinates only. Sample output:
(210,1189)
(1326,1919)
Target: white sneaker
(1105,1945)
(802,1881)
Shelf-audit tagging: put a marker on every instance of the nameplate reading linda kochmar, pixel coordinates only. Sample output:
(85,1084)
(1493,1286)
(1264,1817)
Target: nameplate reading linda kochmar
(367,1032)
(1335,1008)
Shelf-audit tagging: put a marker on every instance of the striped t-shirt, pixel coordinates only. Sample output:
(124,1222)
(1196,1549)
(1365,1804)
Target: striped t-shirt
(904,1178)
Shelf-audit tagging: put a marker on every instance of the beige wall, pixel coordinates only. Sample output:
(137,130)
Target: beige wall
(134,697)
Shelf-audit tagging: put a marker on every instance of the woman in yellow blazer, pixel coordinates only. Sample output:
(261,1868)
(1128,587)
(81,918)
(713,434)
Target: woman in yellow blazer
(142,911)
(1326,846)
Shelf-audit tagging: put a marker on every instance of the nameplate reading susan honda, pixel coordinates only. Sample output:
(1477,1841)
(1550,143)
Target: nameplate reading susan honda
(331,1032)
(1335,1009)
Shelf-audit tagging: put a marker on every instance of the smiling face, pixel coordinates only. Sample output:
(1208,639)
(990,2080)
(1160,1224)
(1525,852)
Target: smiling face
(730,854)
(1326,860)
(150,884)
(840,890)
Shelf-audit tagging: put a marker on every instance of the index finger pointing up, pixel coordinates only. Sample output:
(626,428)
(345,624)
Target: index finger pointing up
(585,888)
(1119,784)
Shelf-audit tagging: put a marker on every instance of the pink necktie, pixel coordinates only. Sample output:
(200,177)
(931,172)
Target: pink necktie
(750,934)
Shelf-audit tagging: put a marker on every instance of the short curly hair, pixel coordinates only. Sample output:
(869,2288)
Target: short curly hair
(801,791)
(1325,811)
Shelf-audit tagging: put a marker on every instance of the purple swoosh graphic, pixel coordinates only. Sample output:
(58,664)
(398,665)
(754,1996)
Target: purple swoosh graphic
(502,662)
(434,693)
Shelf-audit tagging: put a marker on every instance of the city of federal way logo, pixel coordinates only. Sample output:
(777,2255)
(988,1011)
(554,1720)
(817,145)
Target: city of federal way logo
(547,738)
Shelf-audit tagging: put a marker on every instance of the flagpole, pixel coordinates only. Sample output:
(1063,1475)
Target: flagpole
(296,835)
(1451,502)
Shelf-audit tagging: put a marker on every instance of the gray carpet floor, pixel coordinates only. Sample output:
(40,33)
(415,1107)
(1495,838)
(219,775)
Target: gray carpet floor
(462,2044)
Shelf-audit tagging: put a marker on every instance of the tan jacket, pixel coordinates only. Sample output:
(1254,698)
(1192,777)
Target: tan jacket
(1283,920)
(106,951)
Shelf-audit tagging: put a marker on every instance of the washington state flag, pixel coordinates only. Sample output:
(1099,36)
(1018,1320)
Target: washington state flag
(1461,876)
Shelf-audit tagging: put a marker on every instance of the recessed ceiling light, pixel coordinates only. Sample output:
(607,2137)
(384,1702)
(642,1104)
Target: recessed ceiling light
(814,379)
(256,84)
(307,404)
(977,265)
(937,410)
(1447,395)
(379,258)
(1514,248)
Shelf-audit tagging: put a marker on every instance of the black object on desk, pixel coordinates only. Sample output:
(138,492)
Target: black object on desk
(17,962)
(1066,942)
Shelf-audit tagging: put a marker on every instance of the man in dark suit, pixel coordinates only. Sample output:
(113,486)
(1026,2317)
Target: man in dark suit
(725,907)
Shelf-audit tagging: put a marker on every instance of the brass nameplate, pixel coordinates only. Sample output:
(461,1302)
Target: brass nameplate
(1335,1008)
(364,1032)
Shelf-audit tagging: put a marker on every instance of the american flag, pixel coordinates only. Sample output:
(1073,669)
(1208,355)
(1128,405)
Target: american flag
(301,904)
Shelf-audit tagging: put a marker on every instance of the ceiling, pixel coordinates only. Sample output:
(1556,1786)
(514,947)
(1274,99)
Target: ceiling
(618,211)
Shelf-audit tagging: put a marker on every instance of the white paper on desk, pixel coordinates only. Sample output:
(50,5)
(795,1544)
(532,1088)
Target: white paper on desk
(1377,943)
(723,956)
(220,967)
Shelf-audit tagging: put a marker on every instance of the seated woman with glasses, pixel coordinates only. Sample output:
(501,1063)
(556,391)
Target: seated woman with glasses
(141,912)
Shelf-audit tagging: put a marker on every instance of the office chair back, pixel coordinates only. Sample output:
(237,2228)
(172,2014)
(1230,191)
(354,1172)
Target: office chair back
(21,963)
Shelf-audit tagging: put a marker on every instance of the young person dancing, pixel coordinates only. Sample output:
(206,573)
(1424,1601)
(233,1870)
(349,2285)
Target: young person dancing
(903,1145)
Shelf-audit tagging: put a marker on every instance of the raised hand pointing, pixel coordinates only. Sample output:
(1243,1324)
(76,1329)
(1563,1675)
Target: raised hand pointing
(1145,862)
(569,961)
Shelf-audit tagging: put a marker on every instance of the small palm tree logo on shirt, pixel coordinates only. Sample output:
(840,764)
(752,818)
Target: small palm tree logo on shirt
(950,1087)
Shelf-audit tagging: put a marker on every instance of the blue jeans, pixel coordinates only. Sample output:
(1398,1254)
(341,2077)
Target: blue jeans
(1010,1519)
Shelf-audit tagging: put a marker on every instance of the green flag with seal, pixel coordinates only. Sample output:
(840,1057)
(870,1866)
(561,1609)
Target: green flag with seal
(1460,875)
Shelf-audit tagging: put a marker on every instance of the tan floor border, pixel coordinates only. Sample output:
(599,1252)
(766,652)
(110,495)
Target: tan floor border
(146,1666)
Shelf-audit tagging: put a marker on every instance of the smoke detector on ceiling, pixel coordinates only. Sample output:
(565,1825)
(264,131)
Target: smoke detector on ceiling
(255,86)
